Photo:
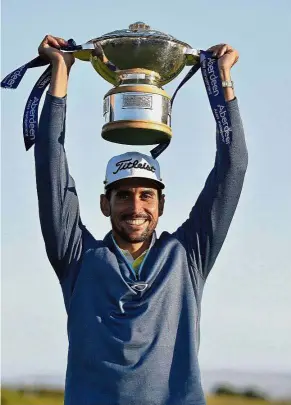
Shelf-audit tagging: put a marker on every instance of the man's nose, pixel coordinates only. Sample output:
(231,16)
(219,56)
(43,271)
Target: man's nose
(136,204)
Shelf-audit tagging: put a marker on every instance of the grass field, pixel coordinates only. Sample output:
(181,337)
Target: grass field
(9,397)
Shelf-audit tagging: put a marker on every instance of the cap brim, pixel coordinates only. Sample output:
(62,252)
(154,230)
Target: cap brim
(155,183)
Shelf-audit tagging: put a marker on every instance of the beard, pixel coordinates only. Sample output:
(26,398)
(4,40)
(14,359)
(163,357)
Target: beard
(133,238)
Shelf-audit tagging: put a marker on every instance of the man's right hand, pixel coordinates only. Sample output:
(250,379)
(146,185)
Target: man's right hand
(61,62)
(49,49)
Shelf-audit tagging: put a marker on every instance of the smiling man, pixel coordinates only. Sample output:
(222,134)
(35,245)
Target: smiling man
(133,299)
(134,202)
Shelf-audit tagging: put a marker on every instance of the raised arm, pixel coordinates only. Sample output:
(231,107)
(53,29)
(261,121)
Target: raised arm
(204,232)
(58,202)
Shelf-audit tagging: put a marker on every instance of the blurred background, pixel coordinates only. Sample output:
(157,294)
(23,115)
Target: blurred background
(245,348)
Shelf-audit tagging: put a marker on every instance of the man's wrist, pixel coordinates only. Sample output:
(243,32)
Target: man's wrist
(228,91)
(59,80)
(225,74)
(60,65)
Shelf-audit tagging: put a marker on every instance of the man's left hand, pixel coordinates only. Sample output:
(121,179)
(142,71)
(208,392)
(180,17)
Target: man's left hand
(226,54)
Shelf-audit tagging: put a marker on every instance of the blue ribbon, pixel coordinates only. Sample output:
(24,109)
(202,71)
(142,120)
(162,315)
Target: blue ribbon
(12,80)
(210,74)
(30,116)
(214,89)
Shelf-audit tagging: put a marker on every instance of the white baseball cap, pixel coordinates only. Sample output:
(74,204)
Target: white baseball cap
(132,165)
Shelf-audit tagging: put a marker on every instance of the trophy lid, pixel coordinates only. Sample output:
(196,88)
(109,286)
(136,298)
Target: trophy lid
(139,29)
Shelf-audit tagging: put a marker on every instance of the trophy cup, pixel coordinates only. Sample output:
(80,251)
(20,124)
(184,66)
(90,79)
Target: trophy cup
(138,61)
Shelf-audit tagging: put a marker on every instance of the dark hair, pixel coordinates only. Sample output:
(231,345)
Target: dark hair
(109,191)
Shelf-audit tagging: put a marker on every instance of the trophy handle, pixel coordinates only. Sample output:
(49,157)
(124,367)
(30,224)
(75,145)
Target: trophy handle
(104,70)
(192,56)
(81,52)
(93,52)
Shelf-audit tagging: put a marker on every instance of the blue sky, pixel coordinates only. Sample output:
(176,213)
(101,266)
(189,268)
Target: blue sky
(246,304)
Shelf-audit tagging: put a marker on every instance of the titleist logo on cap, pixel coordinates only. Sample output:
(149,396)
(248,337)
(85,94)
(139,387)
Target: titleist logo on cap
(129,164)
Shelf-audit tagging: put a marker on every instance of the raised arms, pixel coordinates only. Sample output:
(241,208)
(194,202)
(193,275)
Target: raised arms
(58,202)
(204,232)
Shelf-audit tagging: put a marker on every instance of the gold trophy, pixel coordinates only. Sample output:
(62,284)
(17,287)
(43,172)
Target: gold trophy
(138,61)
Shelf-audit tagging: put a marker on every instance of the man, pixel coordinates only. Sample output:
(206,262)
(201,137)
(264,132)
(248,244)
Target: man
(133,299)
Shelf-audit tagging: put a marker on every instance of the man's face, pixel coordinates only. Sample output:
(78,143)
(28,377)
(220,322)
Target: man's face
(134,208)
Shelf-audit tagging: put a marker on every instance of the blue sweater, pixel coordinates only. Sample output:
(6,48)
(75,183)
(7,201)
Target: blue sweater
(133,342)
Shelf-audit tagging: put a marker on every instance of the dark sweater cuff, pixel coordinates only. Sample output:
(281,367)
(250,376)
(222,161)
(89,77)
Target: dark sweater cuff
(232,105)
(56,100)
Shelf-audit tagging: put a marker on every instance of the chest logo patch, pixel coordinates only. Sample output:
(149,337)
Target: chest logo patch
(139,286)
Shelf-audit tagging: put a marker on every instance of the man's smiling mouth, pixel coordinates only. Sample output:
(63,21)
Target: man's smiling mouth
(136,221)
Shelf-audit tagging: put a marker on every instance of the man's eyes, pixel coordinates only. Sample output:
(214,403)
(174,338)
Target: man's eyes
(145,195)
(122,196)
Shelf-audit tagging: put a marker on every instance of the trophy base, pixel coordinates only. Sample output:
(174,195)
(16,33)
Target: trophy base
(136,132)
